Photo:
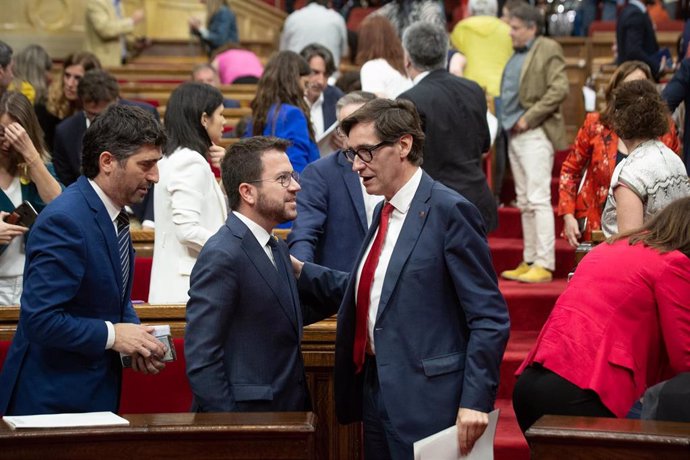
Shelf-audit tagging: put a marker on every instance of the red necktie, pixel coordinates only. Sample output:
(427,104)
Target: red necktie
(364,290)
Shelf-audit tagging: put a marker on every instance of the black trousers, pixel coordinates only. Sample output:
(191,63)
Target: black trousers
(538,391)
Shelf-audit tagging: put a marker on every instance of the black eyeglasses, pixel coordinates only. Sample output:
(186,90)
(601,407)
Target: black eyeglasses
(364,153)
(284,179)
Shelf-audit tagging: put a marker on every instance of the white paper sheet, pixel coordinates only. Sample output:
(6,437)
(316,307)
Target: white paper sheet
(324,141)
(65,420)
(444,444)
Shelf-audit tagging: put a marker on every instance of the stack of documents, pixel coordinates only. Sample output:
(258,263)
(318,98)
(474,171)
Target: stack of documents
(444,444)
(65,420)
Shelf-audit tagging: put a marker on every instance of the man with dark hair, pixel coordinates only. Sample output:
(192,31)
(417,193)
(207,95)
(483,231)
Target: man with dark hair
(422,326)
(76,312)
(453,113)
(533,86)
(315,23)
(6,64)
(244,319)
(321,96)
(333,210)
(97,90)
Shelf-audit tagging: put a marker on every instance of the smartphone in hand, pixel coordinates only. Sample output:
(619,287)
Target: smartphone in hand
(23,215)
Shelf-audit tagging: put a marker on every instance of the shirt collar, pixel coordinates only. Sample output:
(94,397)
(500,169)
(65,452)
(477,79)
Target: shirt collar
(317,103)
(639,5)
(261,235)
(110,206)
(420,77)
(402,200)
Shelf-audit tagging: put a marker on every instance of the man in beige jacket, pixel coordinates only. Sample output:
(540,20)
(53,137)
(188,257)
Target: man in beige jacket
(106,30)
(533,87)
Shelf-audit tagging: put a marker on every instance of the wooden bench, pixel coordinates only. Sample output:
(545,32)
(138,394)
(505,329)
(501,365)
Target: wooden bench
(271,435)
(588,438)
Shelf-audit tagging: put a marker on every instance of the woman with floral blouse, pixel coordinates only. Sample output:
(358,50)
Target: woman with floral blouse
(587,170)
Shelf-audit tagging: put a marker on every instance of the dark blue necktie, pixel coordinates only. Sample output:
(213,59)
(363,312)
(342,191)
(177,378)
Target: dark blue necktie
(123,239)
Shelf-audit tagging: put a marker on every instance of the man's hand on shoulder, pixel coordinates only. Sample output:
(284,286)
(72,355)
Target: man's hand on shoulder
(471,425)
(133,339)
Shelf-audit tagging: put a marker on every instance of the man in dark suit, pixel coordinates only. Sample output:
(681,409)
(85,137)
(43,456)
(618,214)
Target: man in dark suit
(636,39)
(97,90)
(76,313)
(244,320)
(333,210)
(453,113)
(422,326)
(321,96)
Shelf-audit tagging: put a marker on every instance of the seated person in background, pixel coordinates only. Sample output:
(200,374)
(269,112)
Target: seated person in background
(63,100)
(244,317)
(613,332)
(25,175)
(321,96)
(236,65)
(333,209)
(220,28)
(587,170)
(205,73)
(279,108)
(32,74)
(652,175)
(96,91)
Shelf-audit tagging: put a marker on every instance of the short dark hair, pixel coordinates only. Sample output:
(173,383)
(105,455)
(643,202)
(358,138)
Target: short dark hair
(97,85)
(120,130)
(5,54)
(638,111)
(313,50)
(426,45)
(187,103)
(392,119)
(529,15)
(242,163)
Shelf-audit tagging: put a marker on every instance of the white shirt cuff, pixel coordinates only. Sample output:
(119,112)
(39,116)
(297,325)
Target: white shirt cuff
(111,335)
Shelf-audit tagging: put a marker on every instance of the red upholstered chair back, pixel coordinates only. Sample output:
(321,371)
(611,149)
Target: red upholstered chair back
(602,26)
(166,392)
(142,278)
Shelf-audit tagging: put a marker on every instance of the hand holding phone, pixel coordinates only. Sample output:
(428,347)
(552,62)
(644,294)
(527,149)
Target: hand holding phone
(9,231)
(23,215)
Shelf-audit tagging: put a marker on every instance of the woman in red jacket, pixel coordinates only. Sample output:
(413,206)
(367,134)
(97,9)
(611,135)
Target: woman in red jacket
(621,326)
(587,170)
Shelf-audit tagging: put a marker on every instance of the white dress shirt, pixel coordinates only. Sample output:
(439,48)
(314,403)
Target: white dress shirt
(261,235)
(316,115)
(401,203)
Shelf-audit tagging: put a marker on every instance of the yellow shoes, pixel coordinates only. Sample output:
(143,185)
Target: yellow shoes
(516,273)
(527,273)
(536,274)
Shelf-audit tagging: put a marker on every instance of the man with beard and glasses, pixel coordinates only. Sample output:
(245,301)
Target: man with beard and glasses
(244,319)
(76,313)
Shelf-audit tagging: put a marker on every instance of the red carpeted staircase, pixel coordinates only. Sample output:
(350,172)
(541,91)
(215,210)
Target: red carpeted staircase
(529,306)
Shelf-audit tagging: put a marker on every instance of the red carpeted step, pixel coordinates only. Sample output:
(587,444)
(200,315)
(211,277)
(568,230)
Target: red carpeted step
(507,254)
(510,226)
(509,444)
(530,304)
(520,343)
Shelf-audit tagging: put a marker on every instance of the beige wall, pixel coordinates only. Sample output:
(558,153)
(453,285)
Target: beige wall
(58,25)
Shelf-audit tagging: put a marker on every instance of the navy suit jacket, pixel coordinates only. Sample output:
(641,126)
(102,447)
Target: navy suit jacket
(675,92)
(442,324)
(453,114)
(72,284)
(636,39)
(331,94)
(331,219)
(244,327)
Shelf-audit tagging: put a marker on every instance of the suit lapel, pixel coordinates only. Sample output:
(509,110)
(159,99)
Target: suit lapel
(354,188)
(106,227)
(268,272)
(528,58)
(409,234)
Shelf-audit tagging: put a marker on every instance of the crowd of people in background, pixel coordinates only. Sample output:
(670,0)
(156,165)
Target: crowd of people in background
(379,173)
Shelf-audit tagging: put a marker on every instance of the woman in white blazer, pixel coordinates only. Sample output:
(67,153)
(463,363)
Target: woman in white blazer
(189,205)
